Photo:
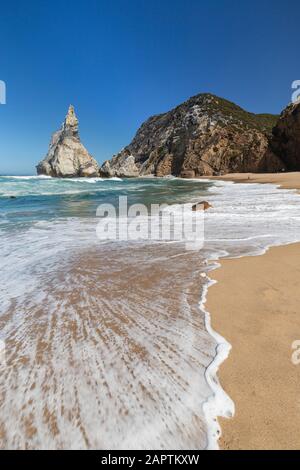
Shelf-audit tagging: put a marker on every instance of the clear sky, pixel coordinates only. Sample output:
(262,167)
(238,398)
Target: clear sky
(120,61)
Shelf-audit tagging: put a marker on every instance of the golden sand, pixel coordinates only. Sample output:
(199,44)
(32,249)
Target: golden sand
(256,306)
(285,180)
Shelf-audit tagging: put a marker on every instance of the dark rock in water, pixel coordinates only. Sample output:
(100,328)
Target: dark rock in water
(200,206)
(205,135)
(286,137)
(187,174)
(13,197)
(67,157)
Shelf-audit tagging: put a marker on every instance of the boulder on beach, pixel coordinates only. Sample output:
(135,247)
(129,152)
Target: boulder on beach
(200,206)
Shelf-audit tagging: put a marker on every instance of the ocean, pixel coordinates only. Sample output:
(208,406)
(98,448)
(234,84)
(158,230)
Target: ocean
(107,343)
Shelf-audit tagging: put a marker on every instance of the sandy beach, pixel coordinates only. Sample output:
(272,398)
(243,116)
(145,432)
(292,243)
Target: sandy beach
(284,180)
(255,306)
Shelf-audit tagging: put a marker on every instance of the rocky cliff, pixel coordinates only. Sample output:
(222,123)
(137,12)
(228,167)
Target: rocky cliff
(205,135)
(67,157)
(286,137)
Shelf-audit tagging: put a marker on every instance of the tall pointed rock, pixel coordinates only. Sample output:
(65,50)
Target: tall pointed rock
(67,157)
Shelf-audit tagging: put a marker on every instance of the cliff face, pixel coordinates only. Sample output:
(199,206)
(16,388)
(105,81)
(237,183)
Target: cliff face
(205,135)
(67,157)
(286,137)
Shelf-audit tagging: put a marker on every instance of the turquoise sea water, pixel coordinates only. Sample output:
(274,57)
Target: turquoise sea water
(30,199)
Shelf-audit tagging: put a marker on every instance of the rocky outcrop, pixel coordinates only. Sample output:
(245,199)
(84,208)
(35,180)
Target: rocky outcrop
(205,135)
(286,137)
(121,166)
(67,157)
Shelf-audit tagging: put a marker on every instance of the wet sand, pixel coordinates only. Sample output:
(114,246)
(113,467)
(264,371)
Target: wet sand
(100,355)
(255,306)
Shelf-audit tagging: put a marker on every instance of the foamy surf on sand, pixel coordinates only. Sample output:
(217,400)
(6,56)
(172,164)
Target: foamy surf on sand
(108,345)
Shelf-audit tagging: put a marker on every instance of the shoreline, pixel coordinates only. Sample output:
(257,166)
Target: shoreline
(257,315)
(219,404)
(284,180)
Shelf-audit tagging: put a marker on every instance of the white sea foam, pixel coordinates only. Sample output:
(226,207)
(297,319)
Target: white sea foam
(82,180)
(219,404)
(91,180)
(20,193)
(33,177)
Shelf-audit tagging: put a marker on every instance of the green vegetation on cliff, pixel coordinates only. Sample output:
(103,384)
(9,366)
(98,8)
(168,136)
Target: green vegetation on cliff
(237,115)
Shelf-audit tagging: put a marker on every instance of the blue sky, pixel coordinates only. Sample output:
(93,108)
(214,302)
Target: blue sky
(121,61)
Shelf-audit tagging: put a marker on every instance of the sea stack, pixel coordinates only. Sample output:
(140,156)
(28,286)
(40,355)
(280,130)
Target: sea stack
(67,157)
